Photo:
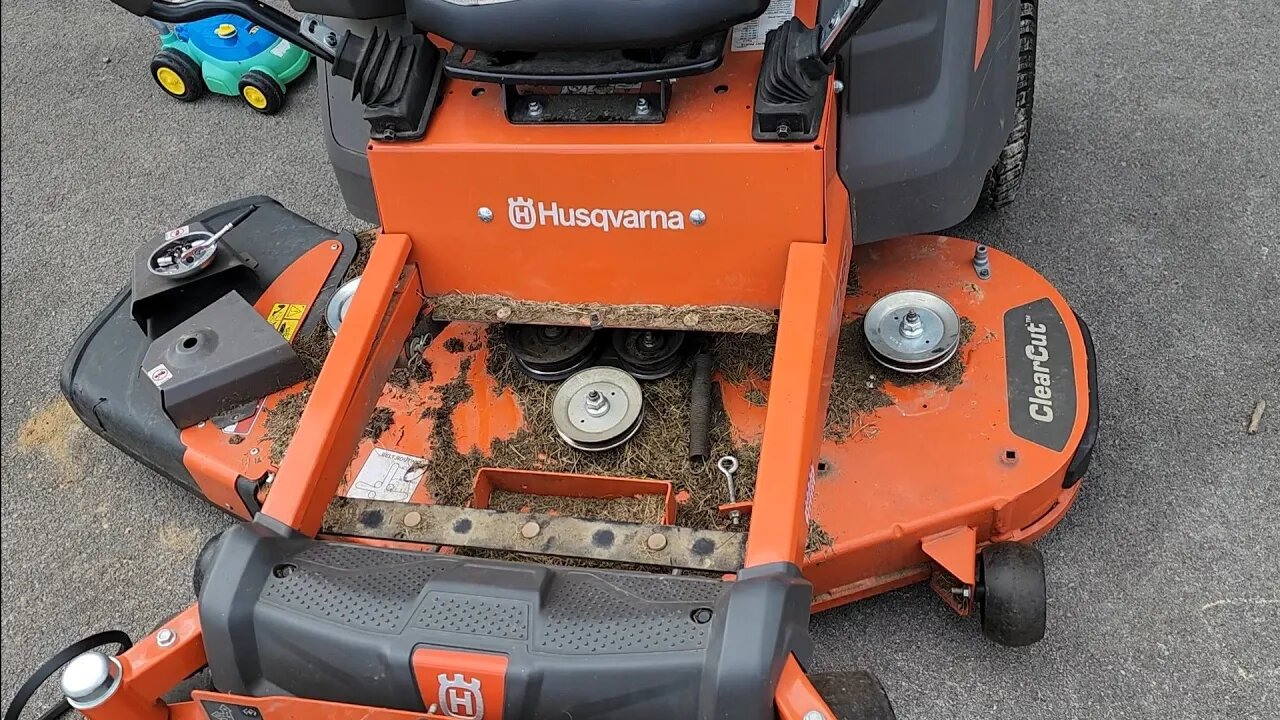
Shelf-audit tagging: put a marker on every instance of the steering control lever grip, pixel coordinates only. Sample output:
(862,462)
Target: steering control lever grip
(278,22)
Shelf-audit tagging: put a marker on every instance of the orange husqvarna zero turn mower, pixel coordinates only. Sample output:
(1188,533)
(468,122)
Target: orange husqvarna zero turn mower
(646,361)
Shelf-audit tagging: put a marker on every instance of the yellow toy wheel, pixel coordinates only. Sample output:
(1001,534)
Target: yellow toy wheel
(254,97)
(178,75)
(260,92)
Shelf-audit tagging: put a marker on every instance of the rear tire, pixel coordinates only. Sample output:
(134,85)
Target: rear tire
(261,92)
(1004,179)
(178,75)
(856,695)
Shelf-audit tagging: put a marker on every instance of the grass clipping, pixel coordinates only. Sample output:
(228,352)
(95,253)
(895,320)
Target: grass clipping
(658,451)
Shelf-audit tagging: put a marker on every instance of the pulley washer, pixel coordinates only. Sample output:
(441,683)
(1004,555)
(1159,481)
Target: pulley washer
(912,331)
(598,408)
(550,352)
(339,304)
(649,354)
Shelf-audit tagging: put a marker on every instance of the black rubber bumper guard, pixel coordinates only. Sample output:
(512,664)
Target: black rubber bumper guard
(287,615)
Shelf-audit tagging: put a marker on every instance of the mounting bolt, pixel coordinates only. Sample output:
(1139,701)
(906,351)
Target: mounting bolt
(535,108)
(815,715)
(200,424)
(912,326)
(596,403)
(485,214)
(254,451)
(656,542)
(697,217)
(412,519)
(981,262)
(642,106)
(334,246)
(837,87)
(166,637)
(331,39)
(530,530)
(784,131)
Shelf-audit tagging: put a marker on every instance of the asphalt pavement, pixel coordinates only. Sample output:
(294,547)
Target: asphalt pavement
(1152,201)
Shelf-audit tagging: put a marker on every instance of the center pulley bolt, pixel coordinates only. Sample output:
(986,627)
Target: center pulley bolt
(649,340)
(912,327)
(596,404)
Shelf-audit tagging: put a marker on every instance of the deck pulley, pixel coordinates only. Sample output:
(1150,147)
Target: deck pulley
(649,354)
(598,409)
(912,331)
(550,352)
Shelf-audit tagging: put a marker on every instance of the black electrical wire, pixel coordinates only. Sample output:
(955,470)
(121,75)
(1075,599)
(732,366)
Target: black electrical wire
(53,665)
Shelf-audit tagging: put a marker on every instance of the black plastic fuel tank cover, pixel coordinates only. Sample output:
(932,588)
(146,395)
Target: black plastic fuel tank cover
(223,356)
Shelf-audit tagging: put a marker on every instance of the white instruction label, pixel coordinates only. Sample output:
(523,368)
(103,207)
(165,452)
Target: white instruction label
(750,35)
(281,48)
(176,233)
(388,475)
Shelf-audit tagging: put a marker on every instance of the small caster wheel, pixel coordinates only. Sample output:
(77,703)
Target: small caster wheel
(1011,594)
(261,92)
(178,75)
(855,695)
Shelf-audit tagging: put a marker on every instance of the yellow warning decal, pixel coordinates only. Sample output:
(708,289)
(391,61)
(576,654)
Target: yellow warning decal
(286,317)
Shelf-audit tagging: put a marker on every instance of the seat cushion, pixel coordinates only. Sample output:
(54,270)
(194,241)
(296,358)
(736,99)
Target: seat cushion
(541,25)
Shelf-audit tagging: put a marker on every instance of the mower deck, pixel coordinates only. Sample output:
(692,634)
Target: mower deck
(460,425)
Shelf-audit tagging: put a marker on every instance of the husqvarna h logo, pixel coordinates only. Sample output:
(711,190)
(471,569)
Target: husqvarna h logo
(459,696)
(526,214)
(520,212)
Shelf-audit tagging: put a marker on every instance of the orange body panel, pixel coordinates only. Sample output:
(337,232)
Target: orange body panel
(216,458)
(808,329)
(758,198)
(372,338)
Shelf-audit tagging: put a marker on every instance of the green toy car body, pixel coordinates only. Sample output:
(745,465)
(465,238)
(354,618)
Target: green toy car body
(228,55)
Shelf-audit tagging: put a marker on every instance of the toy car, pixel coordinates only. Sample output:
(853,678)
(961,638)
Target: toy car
(230,56)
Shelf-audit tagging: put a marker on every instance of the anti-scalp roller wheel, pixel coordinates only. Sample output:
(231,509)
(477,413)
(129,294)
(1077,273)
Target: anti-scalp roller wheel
(912,331)
(1012,597)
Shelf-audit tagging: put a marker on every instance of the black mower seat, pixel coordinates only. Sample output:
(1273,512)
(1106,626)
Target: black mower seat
(577,25)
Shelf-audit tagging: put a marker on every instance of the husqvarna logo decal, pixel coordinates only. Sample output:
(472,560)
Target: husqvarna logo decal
(460,696)
(520,213)
(526,214)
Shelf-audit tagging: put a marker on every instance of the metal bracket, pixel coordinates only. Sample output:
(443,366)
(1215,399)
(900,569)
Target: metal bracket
(539,534)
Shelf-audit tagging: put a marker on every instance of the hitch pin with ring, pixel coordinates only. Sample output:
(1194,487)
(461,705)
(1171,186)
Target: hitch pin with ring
(728,465)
